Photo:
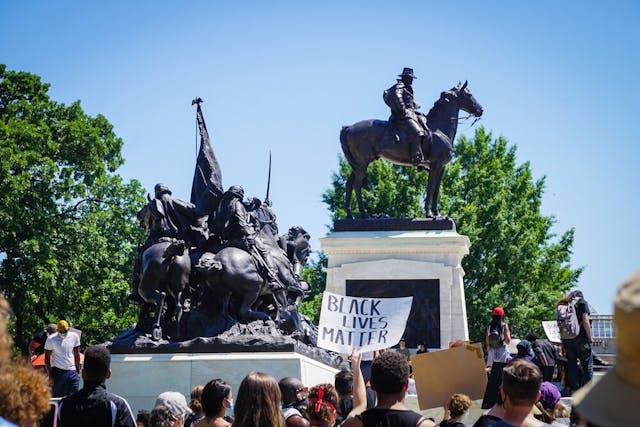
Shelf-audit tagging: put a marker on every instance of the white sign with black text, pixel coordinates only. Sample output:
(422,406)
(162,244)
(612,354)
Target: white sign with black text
(368,324)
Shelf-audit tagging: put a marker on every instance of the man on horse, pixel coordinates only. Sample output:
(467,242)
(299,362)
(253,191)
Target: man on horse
(169,219)
(404,114)
(234,226)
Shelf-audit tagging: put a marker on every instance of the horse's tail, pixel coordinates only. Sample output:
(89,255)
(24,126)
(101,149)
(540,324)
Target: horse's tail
(345,146)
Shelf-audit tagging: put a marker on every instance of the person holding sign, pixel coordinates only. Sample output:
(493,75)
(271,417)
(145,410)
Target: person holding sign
(390,380)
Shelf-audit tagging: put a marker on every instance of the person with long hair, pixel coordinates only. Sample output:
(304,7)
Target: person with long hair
(497,338)
(196,406)
(258,402)
(216,400)
(321,409)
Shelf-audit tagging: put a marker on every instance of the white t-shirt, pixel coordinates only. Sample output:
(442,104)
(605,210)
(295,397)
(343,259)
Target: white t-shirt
(62,350)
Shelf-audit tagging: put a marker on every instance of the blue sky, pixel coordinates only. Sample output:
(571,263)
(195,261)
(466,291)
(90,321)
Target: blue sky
(558,79)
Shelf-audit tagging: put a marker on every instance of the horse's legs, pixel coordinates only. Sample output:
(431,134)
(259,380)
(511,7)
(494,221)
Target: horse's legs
(347,195)
(433,189)
(360,174)
(436,193)
(245,312)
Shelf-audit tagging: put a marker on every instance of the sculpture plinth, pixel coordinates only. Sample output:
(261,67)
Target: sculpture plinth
(422,263)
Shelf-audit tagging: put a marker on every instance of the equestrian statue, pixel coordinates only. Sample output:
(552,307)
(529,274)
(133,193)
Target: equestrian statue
(409,138)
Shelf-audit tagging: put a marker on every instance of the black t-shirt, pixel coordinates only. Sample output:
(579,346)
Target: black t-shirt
(582,307)
(449,423)
(486,421)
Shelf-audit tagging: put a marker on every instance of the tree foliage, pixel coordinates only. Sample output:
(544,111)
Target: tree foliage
(67,221)
(515,259)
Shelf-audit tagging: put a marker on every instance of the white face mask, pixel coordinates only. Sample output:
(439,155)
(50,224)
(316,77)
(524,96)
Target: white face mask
(63,335)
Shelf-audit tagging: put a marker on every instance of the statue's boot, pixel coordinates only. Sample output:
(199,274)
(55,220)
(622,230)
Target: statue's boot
(416,150)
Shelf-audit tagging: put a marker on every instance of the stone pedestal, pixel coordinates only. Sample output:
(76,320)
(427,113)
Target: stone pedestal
(421,263)
(140,378)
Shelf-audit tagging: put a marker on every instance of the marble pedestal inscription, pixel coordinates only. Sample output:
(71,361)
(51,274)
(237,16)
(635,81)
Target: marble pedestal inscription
(423,325)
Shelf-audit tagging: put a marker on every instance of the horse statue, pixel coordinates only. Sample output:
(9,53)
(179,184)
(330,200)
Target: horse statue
(232,275)
(367,140)
(164,276)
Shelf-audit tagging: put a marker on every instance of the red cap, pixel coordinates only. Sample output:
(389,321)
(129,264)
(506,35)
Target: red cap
(498,311)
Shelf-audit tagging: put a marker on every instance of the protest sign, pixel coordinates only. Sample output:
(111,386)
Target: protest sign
(365,323)
(551,330)
(439,374)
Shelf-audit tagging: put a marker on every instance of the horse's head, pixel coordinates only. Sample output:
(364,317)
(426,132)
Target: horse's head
(144,217)
(466,101)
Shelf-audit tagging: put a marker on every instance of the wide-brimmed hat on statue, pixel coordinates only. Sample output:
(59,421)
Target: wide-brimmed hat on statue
(613,400)
(407,72)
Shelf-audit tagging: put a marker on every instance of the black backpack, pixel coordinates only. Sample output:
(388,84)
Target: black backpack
(496,337)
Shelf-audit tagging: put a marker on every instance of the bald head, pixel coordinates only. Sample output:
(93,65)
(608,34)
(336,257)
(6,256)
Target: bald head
(289,387)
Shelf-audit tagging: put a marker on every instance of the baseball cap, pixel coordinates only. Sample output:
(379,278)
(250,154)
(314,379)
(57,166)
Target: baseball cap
(498,311)
(549,395)
(175,402)
(63,326)
(52,328)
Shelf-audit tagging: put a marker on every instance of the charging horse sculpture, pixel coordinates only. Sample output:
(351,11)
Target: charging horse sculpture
(368,140)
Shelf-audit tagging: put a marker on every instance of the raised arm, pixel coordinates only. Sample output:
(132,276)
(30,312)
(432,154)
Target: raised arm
(359,388)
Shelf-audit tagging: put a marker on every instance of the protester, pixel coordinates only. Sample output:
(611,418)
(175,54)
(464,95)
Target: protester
(497,338)
(217,401)
(143,419)
(519,393)
(36,346)
(170,410)
(546,355)
(613,400)
(525,352)
(578,348)
(343,382)
(93,405)
(550,405)
(422,348)
(294,401)
(321,409)
(402,349)
(62,360)
(455,410)
(161,416)
(390,380)
(196,407)
(258,402)
(24,394)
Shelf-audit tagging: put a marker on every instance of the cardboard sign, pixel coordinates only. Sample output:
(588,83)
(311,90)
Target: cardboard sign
(365,323)
(439,374)
(551,330)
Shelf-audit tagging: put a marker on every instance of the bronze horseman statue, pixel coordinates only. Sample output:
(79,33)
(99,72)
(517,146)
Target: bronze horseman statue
(409,138)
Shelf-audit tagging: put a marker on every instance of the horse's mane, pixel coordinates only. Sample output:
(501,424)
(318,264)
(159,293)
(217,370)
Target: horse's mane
(440,101)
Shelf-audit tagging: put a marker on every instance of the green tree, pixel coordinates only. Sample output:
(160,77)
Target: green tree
(515,259)
(67,221)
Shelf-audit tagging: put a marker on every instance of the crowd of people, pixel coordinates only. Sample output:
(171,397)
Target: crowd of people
(529,393)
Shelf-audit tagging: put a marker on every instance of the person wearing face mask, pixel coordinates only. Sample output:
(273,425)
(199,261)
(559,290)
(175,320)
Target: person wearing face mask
(62,360)
(294,401)
(217,401)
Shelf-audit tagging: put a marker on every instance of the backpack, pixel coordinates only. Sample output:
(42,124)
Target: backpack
(496,338)
(567,318)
